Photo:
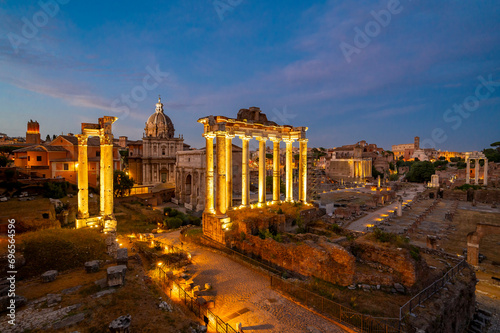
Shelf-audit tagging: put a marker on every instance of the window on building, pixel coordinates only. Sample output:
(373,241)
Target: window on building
(163,151)
(29,158)
(97,153)
(39,158)
(66,167)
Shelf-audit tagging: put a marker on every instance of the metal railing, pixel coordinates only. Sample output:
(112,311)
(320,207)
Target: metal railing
(426,293)
(173,289)
(334,310)
(319,303)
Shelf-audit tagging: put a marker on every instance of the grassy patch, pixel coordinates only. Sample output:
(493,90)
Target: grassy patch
(60,249)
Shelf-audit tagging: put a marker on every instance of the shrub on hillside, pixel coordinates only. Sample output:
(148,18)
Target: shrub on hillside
(172,222)
(60,249)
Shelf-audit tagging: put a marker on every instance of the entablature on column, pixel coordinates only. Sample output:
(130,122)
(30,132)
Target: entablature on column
(243,128)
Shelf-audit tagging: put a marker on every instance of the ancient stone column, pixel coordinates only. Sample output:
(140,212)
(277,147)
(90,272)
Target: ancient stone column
(83,179)
(378,179)
(107,168)
(262,170)
(276,169)
(303,170)
(400,208)
(485,177)
(245,176)
(476,171)
(229,170)
(467,171)
(221,193)
(209,177)
(289,171)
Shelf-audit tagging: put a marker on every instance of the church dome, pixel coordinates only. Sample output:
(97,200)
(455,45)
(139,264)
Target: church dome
(159,125)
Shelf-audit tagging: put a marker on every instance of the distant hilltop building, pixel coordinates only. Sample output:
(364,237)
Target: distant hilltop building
(152,159)
(412,151)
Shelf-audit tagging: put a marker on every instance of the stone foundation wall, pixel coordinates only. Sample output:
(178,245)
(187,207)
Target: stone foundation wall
(398,262)
(487,196)
(452,308)
(455,195)
(321,259)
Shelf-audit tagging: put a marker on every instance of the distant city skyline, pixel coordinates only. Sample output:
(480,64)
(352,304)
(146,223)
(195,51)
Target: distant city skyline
(380,71)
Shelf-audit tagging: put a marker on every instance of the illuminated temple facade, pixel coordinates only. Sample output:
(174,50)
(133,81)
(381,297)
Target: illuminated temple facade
(250,124)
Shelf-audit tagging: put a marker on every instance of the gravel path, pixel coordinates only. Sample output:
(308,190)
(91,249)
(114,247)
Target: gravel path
(243,295)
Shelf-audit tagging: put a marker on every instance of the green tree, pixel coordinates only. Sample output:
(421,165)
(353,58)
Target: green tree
(122,183)
(4,161)
(47,138)
(493,155)
(421,172)
(54,136)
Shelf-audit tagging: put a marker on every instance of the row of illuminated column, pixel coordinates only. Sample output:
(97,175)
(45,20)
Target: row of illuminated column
(106,178)
(223,197)
(476,171)
(361,169)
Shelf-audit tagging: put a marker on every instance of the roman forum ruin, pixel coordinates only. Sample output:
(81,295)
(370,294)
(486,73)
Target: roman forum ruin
(477,156)
(249,124)
(106,218)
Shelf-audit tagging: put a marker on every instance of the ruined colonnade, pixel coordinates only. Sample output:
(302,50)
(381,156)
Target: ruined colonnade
(476,156)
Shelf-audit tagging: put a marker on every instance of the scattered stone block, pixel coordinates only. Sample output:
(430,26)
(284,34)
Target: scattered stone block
(103,293)
(122,256)
(103,283)
(70,290)
(399,288)
(49,276)
(69,321)
(116,275)
(208,286)
(53,299)
(92,266)
(121,324)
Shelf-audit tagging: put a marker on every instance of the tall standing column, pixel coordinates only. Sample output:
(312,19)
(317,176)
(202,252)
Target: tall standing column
(262,170)
(467,171)
(209,177)
(276,169)
(221,193)
(476,171)
(303,170)
(485,177)
(106,200)
(245,176)
(229,170)
(289,171)
(83,178)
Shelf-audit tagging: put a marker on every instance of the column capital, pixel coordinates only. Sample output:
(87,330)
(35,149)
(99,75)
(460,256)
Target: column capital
(303,140)
(245,137)
(261,138)
(82,139)
(209,135)
(220,133)
(288,140)
(230,136)
(274,139)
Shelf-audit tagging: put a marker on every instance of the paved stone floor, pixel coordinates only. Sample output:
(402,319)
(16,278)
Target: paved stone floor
(243,295)
(373,217)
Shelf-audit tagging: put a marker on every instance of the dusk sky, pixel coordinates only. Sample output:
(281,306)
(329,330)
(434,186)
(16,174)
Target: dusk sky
(380,71)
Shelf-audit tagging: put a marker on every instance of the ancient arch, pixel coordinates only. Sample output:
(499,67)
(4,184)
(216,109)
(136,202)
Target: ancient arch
(474,238)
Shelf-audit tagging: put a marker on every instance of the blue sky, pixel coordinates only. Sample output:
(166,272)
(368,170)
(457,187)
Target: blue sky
(409,68)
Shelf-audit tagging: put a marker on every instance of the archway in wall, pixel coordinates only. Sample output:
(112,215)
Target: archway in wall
(163,175)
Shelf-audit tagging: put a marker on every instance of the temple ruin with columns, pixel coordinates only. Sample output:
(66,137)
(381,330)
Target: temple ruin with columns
(106,219)
(250,124)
